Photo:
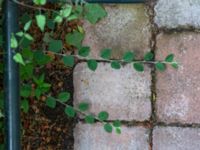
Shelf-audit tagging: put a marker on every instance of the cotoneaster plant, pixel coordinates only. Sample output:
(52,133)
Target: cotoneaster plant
(47,20)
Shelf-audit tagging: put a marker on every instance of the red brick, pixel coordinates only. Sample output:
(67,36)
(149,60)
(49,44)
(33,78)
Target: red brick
(178,91)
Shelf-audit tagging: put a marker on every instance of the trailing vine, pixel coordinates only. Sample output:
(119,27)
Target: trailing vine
(47,19)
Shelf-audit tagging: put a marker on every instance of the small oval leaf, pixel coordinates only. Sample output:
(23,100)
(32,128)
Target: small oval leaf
(169,58)
(69,111)
(92,64)
(84,51)
(103,115)
(160,66)
(51,102)
(68,60)
(128,57)
(41,21)
(64,96)
(89,119)
(83,106)
(148,56)
(115,65)
(138,67)
(108,127)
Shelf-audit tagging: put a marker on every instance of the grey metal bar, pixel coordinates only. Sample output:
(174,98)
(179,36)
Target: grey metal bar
(11,78)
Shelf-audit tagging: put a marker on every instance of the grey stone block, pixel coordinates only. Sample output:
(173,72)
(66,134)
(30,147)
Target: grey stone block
(124,93)
(177,13)
(176,138)
(93,137)
(125,28)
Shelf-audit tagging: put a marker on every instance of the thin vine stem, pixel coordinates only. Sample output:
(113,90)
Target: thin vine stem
(78,110)
(33,7)
(110,60)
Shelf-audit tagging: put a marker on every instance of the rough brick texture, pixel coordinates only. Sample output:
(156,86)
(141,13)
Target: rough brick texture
(124,93)
(93,137)
(125,28)
(176,138)
(178,91)
(177,13)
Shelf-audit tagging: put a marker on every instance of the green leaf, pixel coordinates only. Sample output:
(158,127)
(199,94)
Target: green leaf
(55,45)
(169,58)
(18,58)
(20,33)
(72,17)
(14,42)
(39,2)
(41,21)
(106,53)
(84,51)
(83,106)
(64,96)
(160,66)
(26,90)
(51,24)
(40,58)
(69,111)
(28,36)
(58,19)
(27,25)
(80,29)
(89,119)
(26,72)
(25,43)
(27,53)
(108,127)
(25,105)
(25,18)
(103,115)
(68,60)
(118,130)
(138,67)
(66,11)
(117,123)
(47,37)
(51,102)
(75,39)
(115,65)
(128,57)
(38,93)
(92,64)
(94,12)
(148,56)
(174,65)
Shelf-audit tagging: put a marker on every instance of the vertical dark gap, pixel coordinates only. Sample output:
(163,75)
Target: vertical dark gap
(154,31)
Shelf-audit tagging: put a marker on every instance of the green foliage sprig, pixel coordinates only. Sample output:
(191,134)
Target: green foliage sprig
(47,19)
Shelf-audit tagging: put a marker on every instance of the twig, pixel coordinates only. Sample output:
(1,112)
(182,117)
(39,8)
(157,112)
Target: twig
(33,7)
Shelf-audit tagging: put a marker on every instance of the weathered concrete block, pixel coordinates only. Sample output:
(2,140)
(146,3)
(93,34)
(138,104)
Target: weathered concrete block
(125,28)
(93,137)
(124,93)
(178,91)
(176,138)
(177,13)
